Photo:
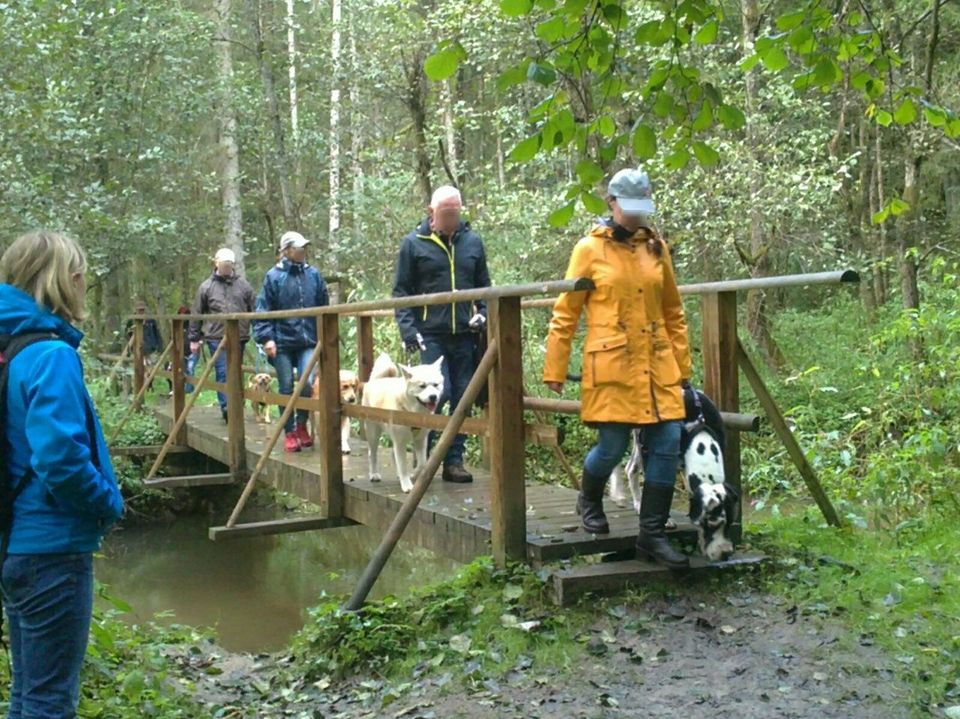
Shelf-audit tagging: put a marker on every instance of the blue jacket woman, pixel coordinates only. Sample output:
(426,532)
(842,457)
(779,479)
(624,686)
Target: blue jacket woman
(71,497)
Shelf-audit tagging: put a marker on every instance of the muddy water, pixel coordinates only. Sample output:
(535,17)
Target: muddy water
(253,592)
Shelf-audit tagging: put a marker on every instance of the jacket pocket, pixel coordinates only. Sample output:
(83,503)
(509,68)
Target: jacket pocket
(666,371)
(607,360)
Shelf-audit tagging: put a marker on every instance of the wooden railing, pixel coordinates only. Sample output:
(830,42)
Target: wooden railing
(504,427)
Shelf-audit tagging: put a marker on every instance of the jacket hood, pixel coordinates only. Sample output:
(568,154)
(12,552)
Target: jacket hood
(19,313)
(424,229)
(604,229)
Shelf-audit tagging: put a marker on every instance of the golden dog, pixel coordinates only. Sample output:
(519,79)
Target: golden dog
(349,393)
(260,384)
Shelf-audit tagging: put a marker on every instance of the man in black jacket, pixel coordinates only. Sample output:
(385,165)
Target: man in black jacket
(441,255)
(223,292)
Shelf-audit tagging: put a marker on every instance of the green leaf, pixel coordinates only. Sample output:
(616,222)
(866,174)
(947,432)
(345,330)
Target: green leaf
(906,113)
(953,128)
(644,142)
(826,72)
(731,117)
(551,30)
(663,104)
(883,118)
(593,202)
(516,8)
(561,217)
(512,76)
(706,155)
(677,160)
(747,64)
(704,118)
(526,149)
(791,20)
(647,33)
(898,206)
(589,172)
(606,126)
(775,59)
(877,217)
(801,40)
(441,65)
(707,34)
(543,74)
(935,116)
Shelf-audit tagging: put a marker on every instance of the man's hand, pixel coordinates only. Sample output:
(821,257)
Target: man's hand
(270,347)
(415,344)
(477,323)
(194,347)
(555,387)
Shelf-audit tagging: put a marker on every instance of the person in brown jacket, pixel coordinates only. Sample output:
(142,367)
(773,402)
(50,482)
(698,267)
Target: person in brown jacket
(223,292)
(635,358)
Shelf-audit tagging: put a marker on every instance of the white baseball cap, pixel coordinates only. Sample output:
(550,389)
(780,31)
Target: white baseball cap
(633,192)
(293,239)
(225,254)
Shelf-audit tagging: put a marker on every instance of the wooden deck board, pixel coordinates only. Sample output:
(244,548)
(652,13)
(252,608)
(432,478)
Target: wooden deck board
(453,519)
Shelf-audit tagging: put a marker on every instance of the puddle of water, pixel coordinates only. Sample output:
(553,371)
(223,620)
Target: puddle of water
(253,592)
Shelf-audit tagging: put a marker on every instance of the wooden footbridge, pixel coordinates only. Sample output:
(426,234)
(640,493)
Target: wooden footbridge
(500,513)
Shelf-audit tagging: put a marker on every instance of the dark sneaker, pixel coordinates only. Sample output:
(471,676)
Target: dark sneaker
(223,413)
(456,473)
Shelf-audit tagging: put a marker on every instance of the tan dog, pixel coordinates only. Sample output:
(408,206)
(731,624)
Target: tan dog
(349,394)
(259,385)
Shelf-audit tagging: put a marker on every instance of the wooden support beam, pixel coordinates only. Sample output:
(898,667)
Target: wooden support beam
(779,425)
(612,577)
(178,374)
(508,500)
(331,460)
(278,526)
(364,347)
(138,364)
(123,357)
(236,437)
(147,450)
(421,481)
(193,480)
(472,425)
(138,397)
(721,382)
(731,420)
(182,417)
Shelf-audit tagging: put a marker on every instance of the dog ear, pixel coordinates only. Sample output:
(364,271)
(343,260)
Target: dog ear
(696,498)
(405,371)
(438,364)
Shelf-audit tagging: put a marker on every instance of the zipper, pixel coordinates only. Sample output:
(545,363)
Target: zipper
(653,390)
(451,258)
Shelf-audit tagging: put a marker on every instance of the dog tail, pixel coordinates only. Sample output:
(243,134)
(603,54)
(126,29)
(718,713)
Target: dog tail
(384,367)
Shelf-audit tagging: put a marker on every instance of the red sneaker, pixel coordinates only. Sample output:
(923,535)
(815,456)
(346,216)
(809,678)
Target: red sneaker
(291,443)
(303,435)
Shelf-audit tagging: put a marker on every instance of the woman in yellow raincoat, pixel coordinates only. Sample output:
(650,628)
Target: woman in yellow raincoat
(636,357)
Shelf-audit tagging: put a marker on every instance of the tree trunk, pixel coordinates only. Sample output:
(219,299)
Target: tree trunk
(292,74)
(281,165)
(356,138)
(758,321)
(334,204)
(229,153)
(416,102)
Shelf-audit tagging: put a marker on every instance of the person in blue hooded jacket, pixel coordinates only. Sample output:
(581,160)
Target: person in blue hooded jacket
(71,497)
(291,284)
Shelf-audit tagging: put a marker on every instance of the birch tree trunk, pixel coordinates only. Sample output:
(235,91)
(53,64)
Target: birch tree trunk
(334,205)
(356,136)
(292,76)
(229,153)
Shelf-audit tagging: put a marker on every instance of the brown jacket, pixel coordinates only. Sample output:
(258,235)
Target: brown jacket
(219,295)
(636,351)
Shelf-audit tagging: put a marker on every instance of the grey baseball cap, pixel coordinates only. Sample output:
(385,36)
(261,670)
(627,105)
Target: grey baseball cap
(293,239)
(633,192)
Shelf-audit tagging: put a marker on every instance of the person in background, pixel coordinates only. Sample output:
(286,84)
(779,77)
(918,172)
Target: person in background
(152,340)
(223,292)
(291,284)
(636,356)
(441,255)
(59,492)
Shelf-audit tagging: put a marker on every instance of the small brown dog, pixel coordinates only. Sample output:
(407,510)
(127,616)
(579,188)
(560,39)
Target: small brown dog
(259,385)
(349,394)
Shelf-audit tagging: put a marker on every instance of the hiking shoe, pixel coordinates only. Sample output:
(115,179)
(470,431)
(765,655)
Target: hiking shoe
(291,443)
(223,413)
(303,435)
(456,473)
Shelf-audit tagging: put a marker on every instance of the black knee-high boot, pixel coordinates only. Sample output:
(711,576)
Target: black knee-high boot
(652,540)
(590,504)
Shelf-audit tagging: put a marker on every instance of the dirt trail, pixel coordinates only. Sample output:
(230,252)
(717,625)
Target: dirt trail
(739,654)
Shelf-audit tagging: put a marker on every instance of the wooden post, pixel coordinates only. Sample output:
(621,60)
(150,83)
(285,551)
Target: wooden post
(328,432)
(364,347)
(721,380)
(138,366)
(508,501)
(138,397)
(786,436)
(178,372)
(237,447)
(111,377)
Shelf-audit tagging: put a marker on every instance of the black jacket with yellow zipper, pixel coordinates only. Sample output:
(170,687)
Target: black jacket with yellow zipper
(430,263)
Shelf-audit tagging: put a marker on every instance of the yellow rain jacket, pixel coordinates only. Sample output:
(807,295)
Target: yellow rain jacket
(636,351)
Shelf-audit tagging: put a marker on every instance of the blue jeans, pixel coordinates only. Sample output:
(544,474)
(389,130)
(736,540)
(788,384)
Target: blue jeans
(220,368)
(458,367)
(48,599)
(190,366)
(661,450)
(284,363)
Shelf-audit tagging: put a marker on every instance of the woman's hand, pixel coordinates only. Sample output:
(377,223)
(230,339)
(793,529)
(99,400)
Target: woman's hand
(555,387)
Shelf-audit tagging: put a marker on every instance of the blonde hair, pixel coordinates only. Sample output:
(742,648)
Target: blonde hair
(44,265)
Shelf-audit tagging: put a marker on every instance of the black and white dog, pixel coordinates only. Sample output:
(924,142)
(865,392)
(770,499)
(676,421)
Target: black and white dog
(713,502)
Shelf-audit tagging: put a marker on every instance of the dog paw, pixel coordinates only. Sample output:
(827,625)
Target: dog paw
(406,487)
(344,450)
(636,506)
(670,524)
(375,477)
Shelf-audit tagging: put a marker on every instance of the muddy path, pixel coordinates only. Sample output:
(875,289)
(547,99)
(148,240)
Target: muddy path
(741,654)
